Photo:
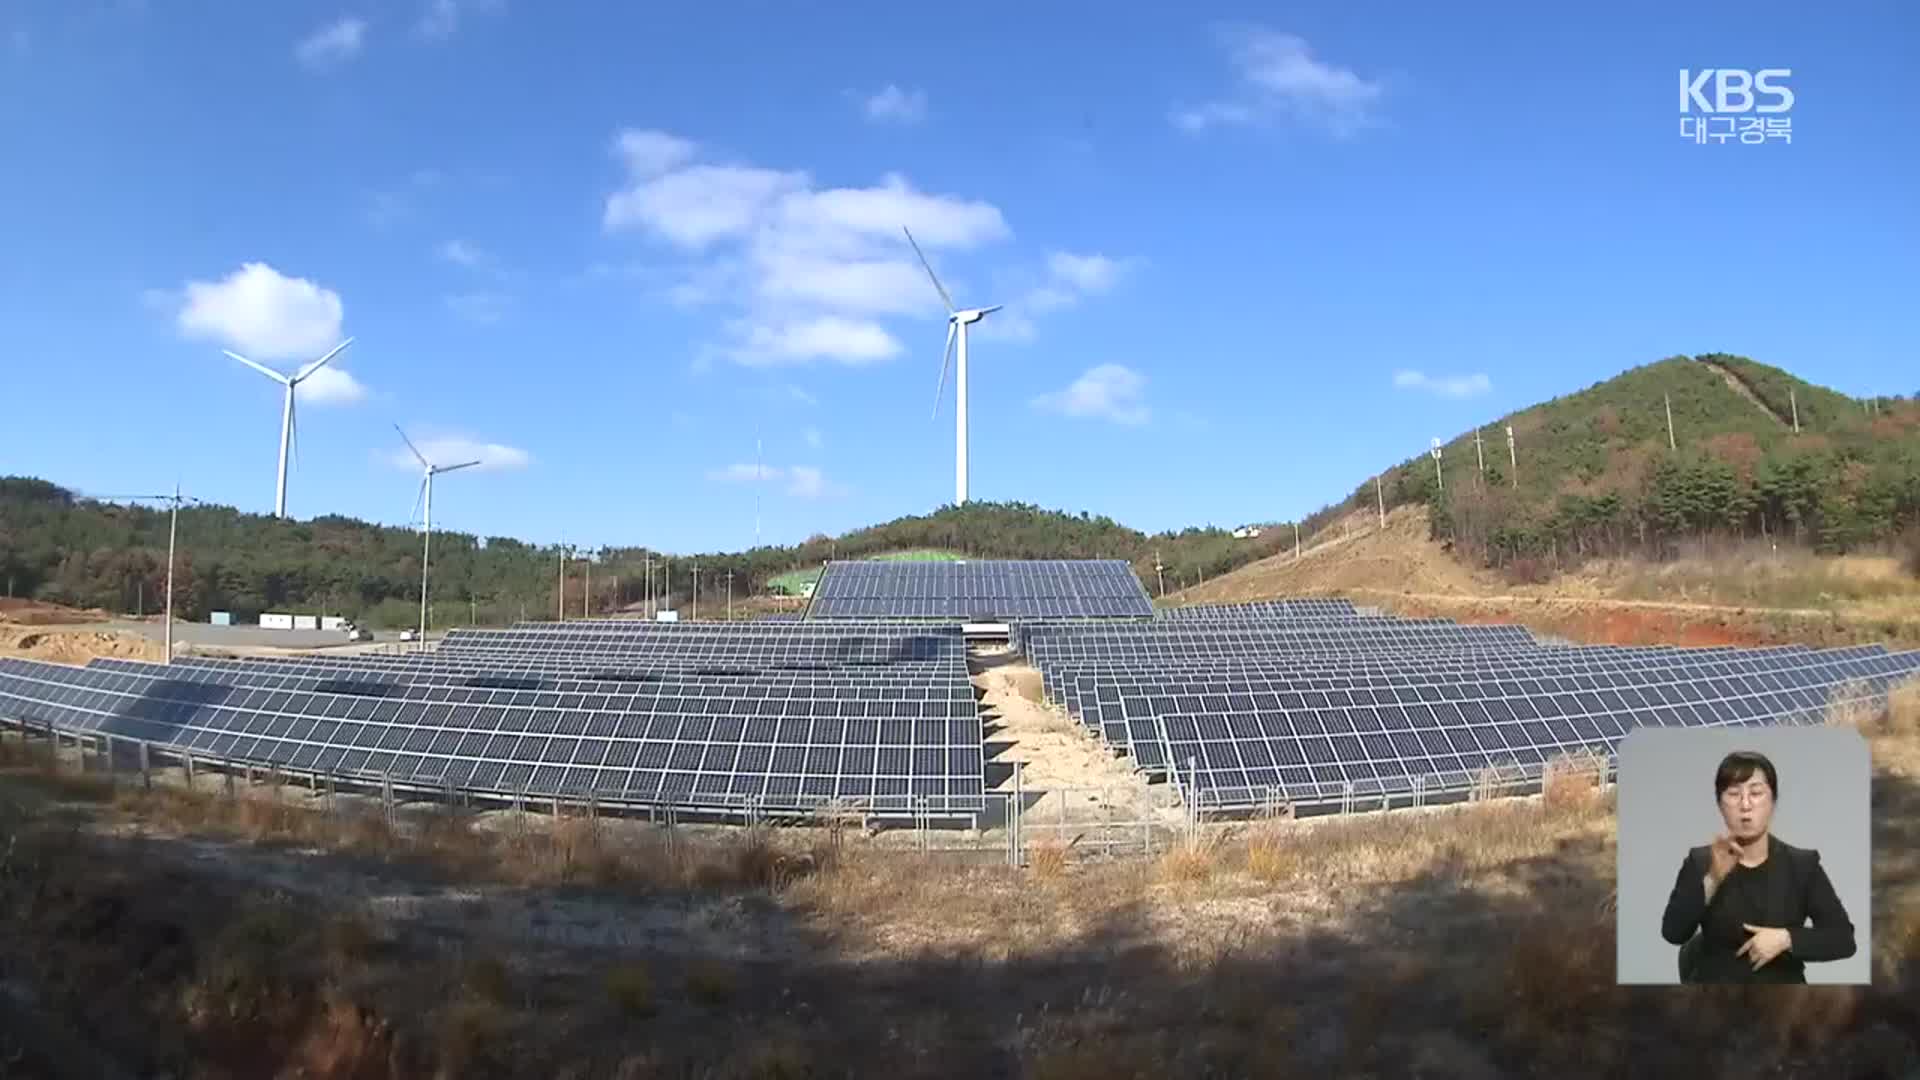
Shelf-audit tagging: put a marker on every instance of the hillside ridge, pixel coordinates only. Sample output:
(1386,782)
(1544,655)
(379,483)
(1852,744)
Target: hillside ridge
(1595,477)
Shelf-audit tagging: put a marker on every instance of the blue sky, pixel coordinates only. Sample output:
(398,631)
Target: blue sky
(1250,254)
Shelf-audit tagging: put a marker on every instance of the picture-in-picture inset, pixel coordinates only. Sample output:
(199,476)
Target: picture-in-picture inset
(1745,856)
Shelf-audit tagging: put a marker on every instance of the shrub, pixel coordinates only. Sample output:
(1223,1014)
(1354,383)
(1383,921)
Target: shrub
(1272,857)
(1571,782)
(1191,861)
(711,982)
(484,977)
(630,988)
(1047,858)
(1527,570)
(1903,709)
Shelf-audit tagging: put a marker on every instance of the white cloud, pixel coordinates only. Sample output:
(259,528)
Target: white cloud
(812,437)
(1279,77)
(1448,386)
(479,307)
(743,474)
(1065,279)
(801,481)
(441,18)
(828,337)
(897,106)
(387,206)
(330,386)
(801,396)
(810,268)
(1009,325)
(695,206)
(332,44)
(806,482)
(258,311)
(650,153)
(1109,391)
(461,253)
(452,449)
(1091,273)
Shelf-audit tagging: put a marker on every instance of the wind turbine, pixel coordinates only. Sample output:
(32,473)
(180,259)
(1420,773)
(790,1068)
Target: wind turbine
(426,532)
(287,422)
(957,322)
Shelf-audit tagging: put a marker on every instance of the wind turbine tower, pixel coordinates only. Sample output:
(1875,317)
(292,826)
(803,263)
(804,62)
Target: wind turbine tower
(957,322)
(289,425)
(426,532)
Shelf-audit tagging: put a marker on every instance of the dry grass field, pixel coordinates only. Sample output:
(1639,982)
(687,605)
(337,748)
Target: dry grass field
(195,935)
(1716,594)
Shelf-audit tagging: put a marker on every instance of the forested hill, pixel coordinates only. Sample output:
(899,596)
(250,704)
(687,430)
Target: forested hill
(1596,472)
(70,550)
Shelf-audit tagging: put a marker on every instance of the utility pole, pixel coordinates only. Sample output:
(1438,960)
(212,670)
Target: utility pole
(586,596)
(173,531)
(666,580)
(648,564)
(1296,540)
(1513,457)
(729,595)
(1671,444)
(1795,402)
(1481,457)
(1439,478)
(1380,494)
(1160,570)
(696,592)
(560,594)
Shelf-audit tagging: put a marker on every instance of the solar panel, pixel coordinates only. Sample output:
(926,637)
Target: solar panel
(1126,709)
(984,589)
(1303,607)
(1327,757)
(787,742)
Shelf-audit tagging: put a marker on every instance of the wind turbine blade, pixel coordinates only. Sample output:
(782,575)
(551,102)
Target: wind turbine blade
(990,310)
(452,468)
(417,455)
(942,289)
(946,357)
(417,496)
(261,368)
(322,362)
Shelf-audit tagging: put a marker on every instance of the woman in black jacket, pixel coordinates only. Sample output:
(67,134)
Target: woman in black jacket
(1740,906)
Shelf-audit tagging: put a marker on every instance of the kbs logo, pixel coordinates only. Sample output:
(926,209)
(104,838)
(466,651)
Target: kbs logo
(1723,98)
(1734,90)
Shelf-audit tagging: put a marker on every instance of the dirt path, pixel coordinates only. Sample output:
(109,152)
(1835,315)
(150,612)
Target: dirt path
(1070,777)
(1739,386)
(1354,553)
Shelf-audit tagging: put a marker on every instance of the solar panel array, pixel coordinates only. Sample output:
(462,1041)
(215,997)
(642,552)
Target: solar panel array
(729,718)
(1301,608)
(1311,704)
(867,702)
(986,589)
